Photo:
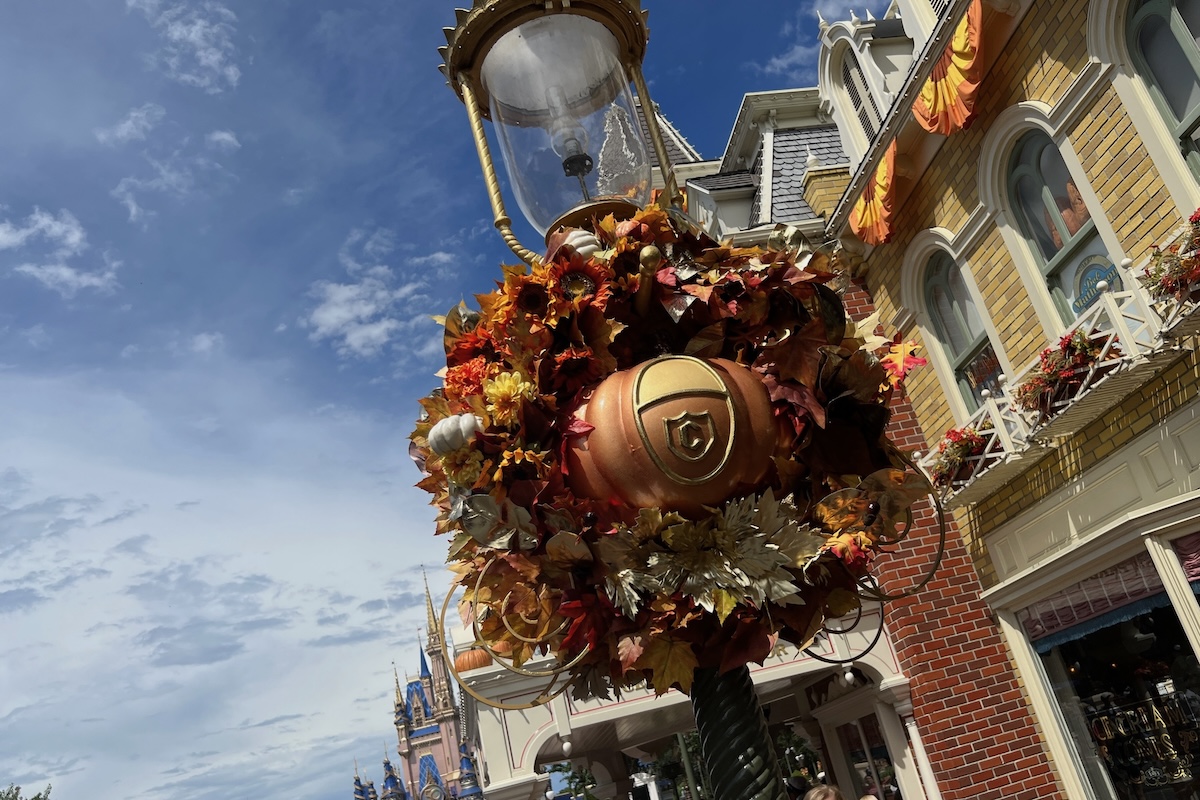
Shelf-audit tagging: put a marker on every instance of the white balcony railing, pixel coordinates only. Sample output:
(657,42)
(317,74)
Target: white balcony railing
(1005,452)
(1127,333)
(1131,344)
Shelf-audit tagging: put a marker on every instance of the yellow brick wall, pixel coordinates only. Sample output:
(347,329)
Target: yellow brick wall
(1039,63)
(824,186)
(1170,391)
(1134,198)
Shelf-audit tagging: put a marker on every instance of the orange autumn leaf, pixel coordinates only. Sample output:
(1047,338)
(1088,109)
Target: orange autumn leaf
(900,360)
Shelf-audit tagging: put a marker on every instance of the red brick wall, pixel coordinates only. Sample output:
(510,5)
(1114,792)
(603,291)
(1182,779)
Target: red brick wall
(969,705)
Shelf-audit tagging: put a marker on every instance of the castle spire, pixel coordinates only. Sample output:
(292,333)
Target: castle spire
(432,629)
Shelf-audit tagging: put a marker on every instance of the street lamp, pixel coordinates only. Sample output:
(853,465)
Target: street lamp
(554,78)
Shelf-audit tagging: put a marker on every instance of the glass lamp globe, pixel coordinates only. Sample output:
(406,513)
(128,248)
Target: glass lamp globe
(560,101)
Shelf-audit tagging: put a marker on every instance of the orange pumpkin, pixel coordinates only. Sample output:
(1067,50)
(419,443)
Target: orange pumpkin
(677,433)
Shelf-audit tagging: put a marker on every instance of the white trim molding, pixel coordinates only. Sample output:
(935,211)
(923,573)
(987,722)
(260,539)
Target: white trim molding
(1106,45)
(912,296)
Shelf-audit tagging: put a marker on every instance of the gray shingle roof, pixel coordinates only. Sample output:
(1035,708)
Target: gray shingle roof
(679,150)
(742,179)
(790,157)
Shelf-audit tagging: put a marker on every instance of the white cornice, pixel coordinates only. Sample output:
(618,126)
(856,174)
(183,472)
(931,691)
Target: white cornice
(788,106)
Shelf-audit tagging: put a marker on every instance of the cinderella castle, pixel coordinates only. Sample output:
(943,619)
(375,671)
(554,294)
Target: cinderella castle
(435,761)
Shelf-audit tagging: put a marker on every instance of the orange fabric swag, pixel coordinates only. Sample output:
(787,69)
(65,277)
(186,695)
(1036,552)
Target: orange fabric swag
(871,217)
(947,100)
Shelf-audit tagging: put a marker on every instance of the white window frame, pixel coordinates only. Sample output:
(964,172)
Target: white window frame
(912,294)
(1106,42)
(994,162)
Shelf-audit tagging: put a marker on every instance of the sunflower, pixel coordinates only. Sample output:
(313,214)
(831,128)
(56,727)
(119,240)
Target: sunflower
(575,368)
(578,283)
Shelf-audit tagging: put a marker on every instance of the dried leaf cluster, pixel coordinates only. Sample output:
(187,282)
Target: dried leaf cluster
(624,594)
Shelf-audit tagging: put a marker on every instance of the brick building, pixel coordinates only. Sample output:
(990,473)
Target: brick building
(1054,653)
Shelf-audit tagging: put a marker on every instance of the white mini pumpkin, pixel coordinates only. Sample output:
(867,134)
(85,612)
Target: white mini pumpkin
(452,433)
(583,242)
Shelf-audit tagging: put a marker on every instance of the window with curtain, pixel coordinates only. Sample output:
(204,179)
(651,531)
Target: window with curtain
(1052,214)
(855,84)
(959,330)
(1162,36)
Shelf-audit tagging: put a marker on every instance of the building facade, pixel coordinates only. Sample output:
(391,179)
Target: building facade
(996,176)
(1014,253)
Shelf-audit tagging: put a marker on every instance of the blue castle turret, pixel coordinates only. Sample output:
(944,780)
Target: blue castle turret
(468,781)
(393,784)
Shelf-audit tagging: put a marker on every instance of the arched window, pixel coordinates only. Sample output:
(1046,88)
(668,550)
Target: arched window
(855,84)
(959,329)
(1057,222)
(1162,37)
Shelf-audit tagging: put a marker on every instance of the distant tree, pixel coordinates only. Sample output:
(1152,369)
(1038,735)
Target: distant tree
(13,792)
(579,780)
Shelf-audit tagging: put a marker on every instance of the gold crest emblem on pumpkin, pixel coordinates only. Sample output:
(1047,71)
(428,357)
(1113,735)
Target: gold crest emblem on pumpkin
(690,435)
(697,421)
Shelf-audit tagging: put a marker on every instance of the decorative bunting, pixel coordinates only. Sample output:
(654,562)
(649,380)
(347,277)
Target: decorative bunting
(947,100)
(871,217)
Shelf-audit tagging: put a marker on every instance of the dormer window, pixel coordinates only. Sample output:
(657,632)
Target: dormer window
(855,84)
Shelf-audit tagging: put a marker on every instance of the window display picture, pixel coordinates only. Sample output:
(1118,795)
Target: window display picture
(1129,689)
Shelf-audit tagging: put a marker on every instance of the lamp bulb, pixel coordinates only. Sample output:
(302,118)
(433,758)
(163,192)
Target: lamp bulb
(567,747)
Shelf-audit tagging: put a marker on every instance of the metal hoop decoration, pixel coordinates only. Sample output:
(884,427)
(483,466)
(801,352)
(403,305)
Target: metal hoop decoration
(881,596)
(808,651)
(542,698)
(503,660)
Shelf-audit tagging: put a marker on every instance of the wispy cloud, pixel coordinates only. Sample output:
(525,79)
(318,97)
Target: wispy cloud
(136,125)
(365,315)
(61,238)
(173,175)
(68,281)
(198,48)
(224,141)
(63,232)
(205,344)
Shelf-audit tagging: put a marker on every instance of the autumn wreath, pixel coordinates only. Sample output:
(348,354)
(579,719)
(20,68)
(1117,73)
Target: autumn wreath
(620,593)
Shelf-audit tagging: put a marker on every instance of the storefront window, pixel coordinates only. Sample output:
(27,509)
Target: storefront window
(870,762)
(1128,685)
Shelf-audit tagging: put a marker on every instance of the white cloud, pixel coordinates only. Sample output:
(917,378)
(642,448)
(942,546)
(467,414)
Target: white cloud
(63,232)
(131,613)
(223,140)
(68,281)
(206,343)
(173,175)
(365,315)
(62,238)
(198,48)
(137,123)
(295,195)
(440,263)
(37,336)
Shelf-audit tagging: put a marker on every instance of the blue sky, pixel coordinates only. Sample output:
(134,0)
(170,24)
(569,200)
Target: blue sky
(223,228)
